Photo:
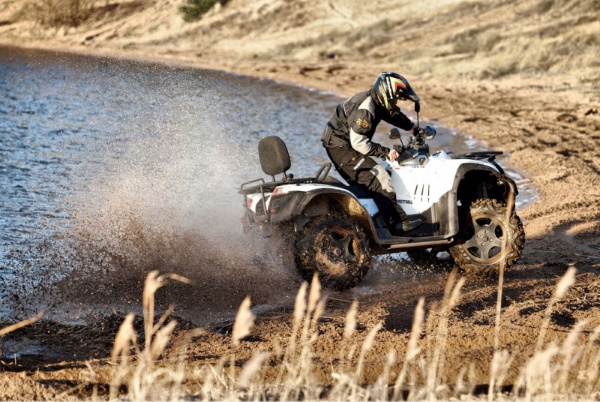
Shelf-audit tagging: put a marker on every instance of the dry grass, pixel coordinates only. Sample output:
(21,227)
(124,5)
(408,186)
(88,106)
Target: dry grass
(566,371)
(58,13)
(474,39)
(143,378)
(20,324)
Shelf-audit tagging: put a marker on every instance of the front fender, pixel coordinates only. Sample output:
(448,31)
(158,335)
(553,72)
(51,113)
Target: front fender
(474,182)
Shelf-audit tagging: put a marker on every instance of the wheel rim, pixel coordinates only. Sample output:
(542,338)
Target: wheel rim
(486,239)
(338,247)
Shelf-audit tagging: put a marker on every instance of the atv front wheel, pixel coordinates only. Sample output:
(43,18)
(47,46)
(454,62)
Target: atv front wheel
(336,248)
(487,240)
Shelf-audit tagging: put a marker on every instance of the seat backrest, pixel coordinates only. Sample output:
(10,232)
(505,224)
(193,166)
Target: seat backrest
(274,156)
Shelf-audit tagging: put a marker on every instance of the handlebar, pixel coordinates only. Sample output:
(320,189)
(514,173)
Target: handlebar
(416,143)
(428,131)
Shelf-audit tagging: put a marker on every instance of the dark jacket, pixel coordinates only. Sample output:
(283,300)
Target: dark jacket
(354,122)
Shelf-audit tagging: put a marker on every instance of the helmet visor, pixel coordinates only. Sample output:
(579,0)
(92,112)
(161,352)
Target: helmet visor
(401,89)
(407,94)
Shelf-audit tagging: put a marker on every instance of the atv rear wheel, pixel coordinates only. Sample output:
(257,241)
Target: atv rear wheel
(336,248)
(487,240)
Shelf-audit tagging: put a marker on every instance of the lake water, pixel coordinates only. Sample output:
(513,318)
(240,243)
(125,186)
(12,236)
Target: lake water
(111,168)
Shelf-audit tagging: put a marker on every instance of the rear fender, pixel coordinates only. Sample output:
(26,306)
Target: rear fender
(302,206)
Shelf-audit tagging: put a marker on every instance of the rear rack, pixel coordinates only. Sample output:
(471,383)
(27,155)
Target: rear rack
(260,187)
(265,187)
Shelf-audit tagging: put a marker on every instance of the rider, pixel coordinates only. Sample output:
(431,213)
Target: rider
(348,141)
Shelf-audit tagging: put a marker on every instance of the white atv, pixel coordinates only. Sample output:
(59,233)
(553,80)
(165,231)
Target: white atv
(466,203)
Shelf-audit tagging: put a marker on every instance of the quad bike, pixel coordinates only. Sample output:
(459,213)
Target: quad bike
(466,203)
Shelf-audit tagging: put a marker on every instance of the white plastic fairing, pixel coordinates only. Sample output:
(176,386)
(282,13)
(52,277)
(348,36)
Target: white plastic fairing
(420,182)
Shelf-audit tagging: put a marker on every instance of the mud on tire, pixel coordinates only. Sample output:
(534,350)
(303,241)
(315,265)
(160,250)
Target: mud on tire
(334,247)
(479,248)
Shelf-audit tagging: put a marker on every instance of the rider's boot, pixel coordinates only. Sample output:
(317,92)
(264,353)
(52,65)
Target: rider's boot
(407,226)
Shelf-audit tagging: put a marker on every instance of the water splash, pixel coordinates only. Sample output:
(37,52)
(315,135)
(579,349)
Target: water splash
(151,184)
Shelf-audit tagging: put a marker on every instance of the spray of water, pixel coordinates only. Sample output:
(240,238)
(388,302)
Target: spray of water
(159,192)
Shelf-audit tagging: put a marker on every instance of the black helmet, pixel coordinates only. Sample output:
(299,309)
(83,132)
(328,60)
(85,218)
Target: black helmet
(390,87)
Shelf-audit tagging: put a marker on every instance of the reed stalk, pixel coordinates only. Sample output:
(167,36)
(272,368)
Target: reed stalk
(567,280)
(565,371)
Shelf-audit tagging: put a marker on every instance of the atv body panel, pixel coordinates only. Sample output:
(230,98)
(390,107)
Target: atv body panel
(437,188)
(426,187)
